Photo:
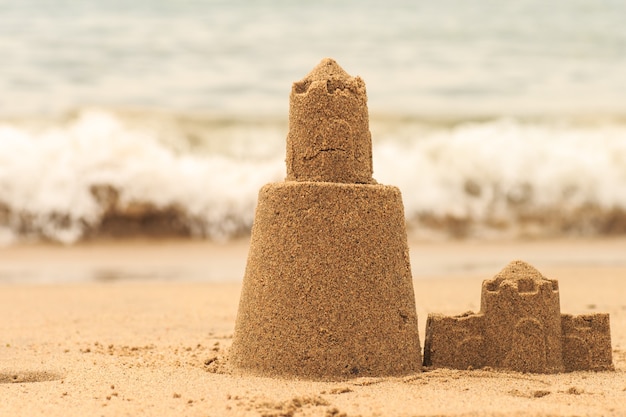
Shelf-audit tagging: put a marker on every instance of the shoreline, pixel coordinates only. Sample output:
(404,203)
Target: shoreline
(192,260)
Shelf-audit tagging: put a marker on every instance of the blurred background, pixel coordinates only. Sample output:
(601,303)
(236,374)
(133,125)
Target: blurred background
(160,118)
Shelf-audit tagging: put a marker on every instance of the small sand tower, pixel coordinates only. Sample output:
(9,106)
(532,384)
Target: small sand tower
(327,292)
(519,327)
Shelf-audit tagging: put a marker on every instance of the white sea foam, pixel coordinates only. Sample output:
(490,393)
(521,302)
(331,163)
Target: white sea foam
(502,173)
(48,178)
(68,180)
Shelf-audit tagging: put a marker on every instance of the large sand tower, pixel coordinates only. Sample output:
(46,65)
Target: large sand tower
(327,292)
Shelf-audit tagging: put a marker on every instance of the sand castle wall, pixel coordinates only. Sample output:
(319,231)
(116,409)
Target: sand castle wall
(587,342)
(327,292)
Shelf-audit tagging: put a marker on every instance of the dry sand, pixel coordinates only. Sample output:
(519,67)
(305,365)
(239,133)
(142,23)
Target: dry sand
(123,344)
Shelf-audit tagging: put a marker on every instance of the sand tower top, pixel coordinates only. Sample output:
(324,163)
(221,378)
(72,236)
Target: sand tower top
(329,138)
(326,71)
(519,269)
(522,276)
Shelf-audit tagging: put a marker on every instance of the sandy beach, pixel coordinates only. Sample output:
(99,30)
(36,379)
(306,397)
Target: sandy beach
(173,242)
(144,328)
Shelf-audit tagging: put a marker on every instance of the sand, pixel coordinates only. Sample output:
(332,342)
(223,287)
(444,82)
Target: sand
(131,346)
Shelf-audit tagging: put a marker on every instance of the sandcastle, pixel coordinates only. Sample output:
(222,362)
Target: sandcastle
(520,328)
(327,292)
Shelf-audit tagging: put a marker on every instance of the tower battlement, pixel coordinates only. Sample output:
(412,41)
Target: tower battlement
(523,285)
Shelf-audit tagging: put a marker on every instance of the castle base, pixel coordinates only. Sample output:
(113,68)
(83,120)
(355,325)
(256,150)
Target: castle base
(327,292)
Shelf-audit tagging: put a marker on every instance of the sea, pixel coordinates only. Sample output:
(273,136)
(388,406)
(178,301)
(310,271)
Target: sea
(496,119)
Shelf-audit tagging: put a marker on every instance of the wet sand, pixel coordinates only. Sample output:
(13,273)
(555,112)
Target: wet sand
(144,327)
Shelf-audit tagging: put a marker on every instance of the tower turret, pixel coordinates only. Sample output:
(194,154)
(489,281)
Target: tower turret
(522,312)
(329,138)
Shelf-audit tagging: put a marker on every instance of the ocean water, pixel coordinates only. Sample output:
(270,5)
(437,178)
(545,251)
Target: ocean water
(159,117)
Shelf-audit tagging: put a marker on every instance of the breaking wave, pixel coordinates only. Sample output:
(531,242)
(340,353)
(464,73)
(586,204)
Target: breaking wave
(110,173)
